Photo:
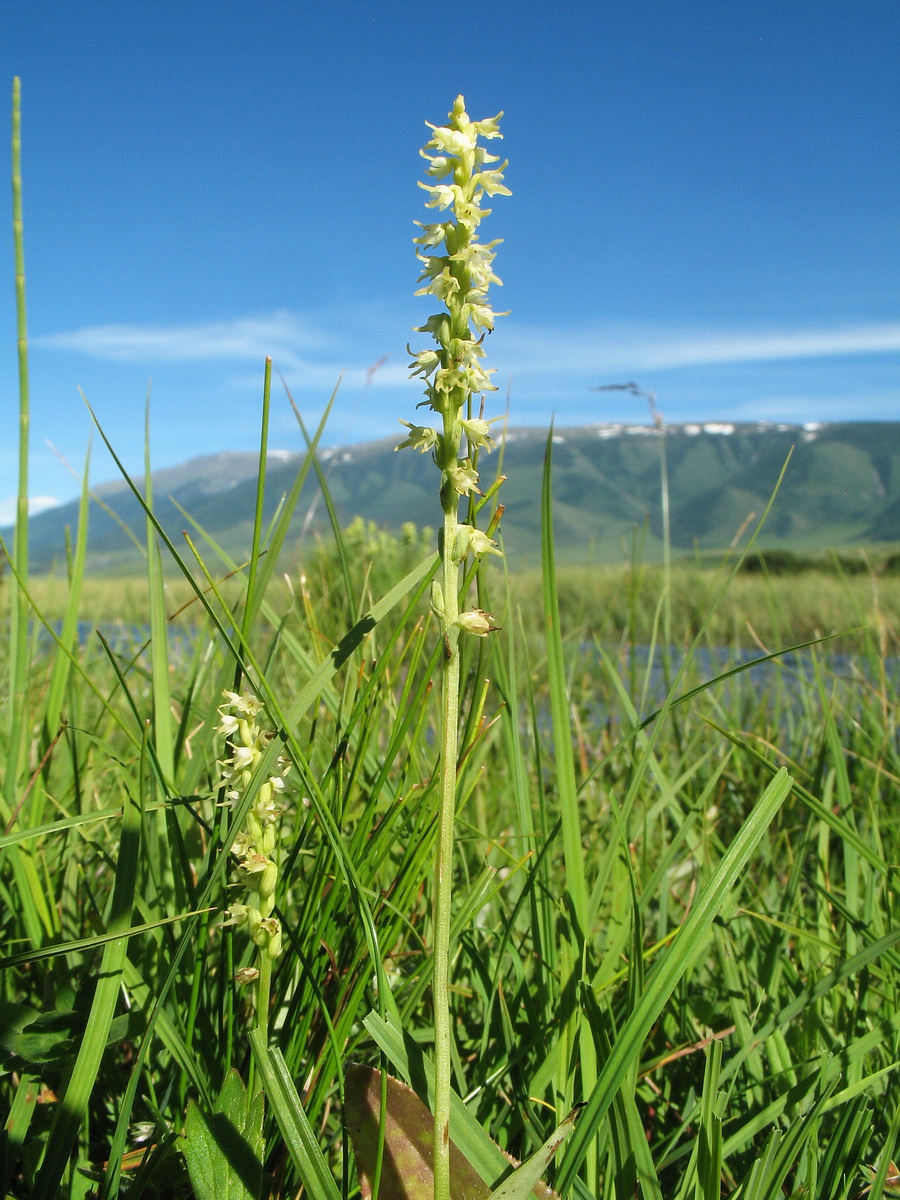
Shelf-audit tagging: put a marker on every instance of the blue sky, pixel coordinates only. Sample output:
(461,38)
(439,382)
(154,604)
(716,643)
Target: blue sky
(706,199)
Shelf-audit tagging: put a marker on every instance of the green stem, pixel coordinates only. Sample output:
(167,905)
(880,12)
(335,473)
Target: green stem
(444,856)
(263,997)
(21,534)
(263,989)
(39,920)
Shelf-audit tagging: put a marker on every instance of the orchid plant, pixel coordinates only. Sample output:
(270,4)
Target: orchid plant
(461,174)
(255,846)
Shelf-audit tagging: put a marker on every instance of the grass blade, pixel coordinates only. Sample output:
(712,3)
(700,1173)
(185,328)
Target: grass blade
(662,980)
(564,763)
(292,1120)
(74,1103)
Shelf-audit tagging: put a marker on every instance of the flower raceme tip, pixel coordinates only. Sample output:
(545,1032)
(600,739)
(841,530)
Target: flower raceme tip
(461,173)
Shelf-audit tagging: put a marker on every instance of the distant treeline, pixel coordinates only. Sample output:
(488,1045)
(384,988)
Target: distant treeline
(789,562)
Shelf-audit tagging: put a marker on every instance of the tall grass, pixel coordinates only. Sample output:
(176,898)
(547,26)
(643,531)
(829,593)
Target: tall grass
(677,908)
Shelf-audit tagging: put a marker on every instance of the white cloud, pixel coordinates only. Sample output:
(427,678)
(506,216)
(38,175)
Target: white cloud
(630,348)
(282,334)
(313,350)
(36,504)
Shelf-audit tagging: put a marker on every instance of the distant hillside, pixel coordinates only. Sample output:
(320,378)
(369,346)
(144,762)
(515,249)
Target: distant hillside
(842,487)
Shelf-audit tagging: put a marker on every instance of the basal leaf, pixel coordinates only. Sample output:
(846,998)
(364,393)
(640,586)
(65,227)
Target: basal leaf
(526,1179)
(223,1149)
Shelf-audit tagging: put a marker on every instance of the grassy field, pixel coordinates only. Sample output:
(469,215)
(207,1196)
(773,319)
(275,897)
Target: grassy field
(613,604)
(761,1061)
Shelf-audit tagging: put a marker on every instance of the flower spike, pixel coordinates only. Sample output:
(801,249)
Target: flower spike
(457,269)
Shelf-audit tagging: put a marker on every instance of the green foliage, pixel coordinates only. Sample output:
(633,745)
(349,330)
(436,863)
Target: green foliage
(794,979)
(223,1149)
(786,562)
(376,559)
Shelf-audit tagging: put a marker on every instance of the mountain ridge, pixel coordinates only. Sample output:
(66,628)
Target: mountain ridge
(841,487)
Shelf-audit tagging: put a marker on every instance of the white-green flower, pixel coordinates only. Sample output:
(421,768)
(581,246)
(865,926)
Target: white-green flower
(470,540)
(480,315)
(241,845)
(456,142)
(423,364)
(477,433)
(442,194)
(463,478)
(237,914)
(438,325)
(245,703)
(420,438)
(228,726)
(432,235)
(244,758)
(492,182)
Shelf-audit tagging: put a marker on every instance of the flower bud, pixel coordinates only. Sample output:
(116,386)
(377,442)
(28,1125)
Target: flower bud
(437,600)
(477,621)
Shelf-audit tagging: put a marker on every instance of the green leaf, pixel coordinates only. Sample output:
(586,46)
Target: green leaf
(526,1179)
(406,1134)
(573,848)
(51,1038)
(15,1128)
(292,1120)
(72,1112)
(709,1149)
(224,1149)
(14,1018)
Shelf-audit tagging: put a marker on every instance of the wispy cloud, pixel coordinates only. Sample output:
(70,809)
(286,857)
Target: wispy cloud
(314,348)
(642,348)
(36,504)
(321,378)
(285,334)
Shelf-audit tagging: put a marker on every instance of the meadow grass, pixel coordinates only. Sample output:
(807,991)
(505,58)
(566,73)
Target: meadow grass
(771,1058)
(674,893)
(617,604)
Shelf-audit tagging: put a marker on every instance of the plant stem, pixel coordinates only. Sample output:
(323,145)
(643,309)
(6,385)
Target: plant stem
(21,534)
(39,920)
(263,989)
(444,858)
